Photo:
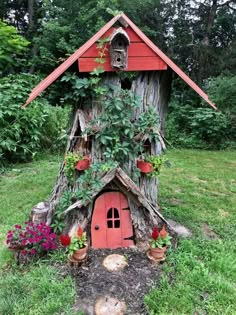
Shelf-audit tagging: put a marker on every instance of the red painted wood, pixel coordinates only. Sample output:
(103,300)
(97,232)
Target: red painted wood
(169,62)
(134,64)
(134,50)
(112,237)
(135,34)
(133,37)
(98,237)
(69,61)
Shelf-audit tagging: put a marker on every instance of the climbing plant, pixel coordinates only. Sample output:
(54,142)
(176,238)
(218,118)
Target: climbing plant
(119,133)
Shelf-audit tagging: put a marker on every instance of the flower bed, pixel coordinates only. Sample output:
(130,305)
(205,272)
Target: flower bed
(31,239)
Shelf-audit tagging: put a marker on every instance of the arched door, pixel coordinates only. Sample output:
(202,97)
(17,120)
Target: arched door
(111,222)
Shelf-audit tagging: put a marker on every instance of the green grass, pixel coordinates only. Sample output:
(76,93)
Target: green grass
(38,288)
(199,276)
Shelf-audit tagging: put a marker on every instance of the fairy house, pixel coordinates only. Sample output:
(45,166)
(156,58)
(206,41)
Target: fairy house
(120,212)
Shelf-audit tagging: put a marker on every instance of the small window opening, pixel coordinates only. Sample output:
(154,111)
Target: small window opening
(116,213)
(117,224)
(109,214)
(113,218)
(110,224)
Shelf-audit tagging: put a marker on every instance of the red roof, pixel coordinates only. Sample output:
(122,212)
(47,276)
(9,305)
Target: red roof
(78,53)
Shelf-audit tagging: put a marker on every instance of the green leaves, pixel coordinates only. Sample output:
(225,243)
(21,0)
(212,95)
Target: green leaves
(118,127)
(24,132)
(11,44)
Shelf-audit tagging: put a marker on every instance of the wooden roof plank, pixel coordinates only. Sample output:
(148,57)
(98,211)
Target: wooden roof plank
(170,63)
(106,29)
(68,62)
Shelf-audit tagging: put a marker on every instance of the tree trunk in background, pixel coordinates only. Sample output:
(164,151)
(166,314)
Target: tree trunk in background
(210,23)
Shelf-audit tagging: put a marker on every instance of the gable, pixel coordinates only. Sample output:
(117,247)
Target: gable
(126,186)
(140,56)
(136,34)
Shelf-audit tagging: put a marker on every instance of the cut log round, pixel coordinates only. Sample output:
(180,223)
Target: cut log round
(115,262)
(39,212)
(109,306)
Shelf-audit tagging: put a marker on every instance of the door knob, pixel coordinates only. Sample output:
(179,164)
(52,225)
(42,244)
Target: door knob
(96,227)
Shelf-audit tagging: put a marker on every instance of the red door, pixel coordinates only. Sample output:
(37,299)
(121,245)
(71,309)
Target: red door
(111,222)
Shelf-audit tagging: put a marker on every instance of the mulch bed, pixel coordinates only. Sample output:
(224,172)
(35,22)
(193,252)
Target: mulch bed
(130,285)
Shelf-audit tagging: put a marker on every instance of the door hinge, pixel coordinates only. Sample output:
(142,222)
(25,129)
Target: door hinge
(128,208)
(131,238)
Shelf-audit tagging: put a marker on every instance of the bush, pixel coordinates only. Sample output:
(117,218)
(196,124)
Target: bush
(205,127)
(25,132)
(222,90)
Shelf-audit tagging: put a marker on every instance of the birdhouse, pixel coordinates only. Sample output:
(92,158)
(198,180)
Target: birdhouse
(119,49)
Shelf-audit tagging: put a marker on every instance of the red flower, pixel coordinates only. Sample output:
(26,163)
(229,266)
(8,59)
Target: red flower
(155,233)
(80,232)
(65,240)
(163,232)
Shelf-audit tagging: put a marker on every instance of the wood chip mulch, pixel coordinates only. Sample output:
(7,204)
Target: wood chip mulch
(129,285)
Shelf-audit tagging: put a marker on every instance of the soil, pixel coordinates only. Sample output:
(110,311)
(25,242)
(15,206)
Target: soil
(209,232)
(129,285)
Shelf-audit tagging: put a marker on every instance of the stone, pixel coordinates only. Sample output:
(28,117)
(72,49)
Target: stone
(179,229)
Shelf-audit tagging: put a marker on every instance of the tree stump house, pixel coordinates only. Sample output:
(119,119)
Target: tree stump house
(120,212)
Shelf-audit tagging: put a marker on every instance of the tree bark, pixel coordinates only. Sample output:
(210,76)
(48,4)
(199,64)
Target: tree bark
(153,88)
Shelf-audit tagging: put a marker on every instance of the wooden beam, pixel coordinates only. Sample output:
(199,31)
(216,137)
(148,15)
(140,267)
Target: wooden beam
(134,64)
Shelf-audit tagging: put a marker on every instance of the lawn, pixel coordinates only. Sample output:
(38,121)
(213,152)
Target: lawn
(199,191)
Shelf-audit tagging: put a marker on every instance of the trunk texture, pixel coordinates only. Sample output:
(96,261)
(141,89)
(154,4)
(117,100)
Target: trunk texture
(153,88)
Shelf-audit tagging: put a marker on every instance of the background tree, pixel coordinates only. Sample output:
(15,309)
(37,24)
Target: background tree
(11,46)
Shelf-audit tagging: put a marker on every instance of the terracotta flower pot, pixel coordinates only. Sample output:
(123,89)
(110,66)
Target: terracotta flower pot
(158,253)
(81,253)
(83,164)
(145,167)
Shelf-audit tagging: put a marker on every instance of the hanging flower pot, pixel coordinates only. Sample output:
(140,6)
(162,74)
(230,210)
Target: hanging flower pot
(83,164)
(145,167)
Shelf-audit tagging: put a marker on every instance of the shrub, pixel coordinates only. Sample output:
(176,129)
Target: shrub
(204,127)
(25,132)
(197,127)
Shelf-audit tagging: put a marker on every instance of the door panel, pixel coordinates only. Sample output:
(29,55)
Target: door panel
(110,223)
(98,225)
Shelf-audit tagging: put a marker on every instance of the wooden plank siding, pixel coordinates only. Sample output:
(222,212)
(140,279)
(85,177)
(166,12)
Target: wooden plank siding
(134,64)
(140,56)
(134,50)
